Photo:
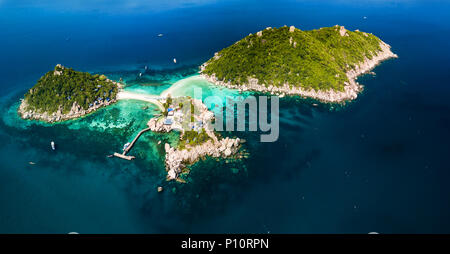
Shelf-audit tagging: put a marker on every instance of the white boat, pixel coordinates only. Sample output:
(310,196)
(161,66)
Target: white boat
(53,145)
(126,145)
(160,35)
(175,60)
(140,74)
(146,67)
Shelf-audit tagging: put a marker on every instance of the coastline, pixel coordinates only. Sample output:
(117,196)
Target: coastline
(76,110)
(177,85)
(351,89)
(177,159)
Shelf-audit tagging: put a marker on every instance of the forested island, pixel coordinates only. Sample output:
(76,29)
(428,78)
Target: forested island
(64,93)
(198,139)
(322,64)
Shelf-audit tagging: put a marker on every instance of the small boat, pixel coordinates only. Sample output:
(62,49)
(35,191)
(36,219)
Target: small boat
(174,60)
(31,163)
(140,74)
(160,35)
(126,145)
(53,145)
(109,155)
(315,104)
(146,67)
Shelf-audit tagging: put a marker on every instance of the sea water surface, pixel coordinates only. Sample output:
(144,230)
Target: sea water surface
(379,163)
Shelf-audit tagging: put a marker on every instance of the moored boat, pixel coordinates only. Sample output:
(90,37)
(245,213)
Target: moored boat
(126,145)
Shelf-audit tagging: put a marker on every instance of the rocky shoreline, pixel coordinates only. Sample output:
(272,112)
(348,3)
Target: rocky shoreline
(177,159)
(76,111)
(351,89)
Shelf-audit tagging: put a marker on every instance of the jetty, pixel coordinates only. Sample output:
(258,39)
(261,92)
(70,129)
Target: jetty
(126,95)
(123,156)
(128,148)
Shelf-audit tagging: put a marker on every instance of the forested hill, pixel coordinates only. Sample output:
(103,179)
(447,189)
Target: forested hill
(64,86)
(317,59)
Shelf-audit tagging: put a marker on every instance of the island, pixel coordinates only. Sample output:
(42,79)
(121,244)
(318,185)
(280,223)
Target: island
(192,119)
(197,139)
(63,94)
(321,64)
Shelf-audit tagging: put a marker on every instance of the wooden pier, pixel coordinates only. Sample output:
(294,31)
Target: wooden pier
(128,148)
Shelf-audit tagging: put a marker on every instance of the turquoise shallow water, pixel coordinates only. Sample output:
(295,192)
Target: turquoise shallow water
(126,117)
(82,146)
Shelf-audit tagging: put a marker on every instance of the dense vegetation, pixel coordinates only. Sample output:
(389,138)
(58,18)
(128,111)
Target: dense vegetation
(193,138)
(316,59)
(64,86)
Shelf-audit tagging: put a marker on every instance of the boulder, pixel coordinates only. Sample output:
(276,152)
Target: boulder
(342,31)
(227,152)
(166,147)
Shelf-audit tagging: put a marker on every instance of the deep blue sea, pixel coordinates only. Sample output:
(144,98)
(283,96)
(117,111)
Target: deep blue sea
(380,163)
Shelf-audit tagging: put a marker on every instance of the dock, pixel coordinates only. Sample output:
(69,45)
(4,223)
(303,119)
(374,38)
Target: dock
(122,156)
(128,148)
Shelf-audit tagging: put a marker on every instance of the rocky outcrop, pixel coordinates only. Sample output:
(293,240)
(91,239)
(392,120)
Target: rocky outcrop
(342,30)
(351,88)
(157,125)
(177,159)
